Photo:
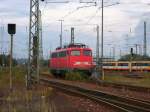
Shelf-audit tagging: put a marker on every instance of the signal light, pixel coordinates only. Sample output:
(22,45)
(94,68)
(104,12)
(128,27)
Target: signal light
(131,51)
(11,28)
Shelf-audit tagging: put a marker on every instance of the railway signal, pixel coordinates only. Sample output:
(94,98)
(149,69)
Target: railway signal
(131,52)
(11,31)
(130,66)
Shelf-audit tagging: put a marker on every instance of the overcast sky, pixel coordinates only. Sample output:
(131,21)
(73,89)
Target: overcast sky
(123,24)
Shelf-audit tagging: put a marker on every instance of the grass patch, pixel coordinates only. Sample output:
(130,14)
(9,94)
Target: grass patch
(18,75)
(44,69)
(76,76)
(118,78)
(21,99)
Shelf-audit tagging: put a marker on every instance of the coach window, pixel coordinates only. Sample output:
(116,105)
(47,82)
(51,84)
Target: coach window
(122,64)
(87,53)
(75,53)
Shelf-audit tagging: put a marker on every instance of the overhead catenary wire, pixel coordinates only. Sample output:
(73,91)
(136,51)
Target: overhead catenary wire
(80,7)
(55,1)
(91,2)
(135,3)
(92,17)
(75,10)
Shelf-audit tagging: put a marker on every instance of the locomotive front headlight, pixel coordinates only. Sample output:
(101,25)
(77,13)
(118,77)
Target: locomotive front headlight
(86,63)
(77,63)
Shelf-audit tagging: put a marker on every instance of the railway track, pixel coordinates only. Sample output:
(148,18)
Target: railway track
(121,86)
(122,104)
(124,86)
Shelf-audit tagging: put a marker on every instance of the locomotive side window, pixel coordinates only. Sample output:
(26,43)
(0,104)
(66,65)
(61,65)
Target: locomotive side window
(63,54)
(54,55)
(87,53)
(75,53)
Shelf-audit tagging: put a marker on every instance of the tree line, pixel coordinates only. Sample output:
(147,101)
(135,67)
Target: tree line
(4,60)
(134,57)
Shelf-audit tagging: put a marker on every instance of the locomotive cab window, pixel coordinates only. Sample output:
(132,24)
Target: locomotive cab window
(63,54)
(54,55)
(75,53)
(87,53)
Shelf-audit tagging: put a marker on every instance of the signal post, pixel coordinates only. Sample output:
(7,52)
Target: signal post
(11,31)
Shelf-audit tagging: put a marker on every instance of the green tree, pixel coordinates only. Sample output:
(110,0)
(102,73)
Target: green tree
(4,60)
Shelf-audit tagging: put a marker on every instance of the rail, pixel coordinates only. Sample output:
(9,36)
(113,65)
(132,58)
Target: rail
(123,104)
(120,85)
(124,86)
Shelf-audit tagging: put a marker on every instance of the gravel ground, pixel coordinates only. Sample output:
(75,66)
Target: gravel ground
(53,101)
(69,103)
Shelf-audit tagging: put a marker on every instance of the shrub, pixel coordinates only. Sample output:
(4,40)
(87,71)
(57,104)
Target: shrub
(75,76)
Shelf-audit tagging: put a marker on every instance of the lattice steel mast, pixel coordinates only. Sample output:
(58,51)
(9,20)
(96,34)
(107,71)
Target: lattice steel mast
(34,42)
(33,58)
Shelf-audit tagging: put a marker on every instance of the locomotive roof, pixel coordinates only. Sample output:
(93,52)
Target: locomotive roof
(76,45)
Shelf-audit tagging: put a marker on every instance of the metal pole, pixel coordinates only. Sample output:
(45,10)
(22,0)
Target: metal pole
(41,35)
(10,62)
(114,50)
(1,41)
(140,50)
(29,49)
(120,53)
(97,49)
(102,34)
(96,71)
(60,39)
(38,43)
(61,33)
(110,54)
(145,40)
(131,56)
(61,36)
(72,35)
(136,48)
(3,62)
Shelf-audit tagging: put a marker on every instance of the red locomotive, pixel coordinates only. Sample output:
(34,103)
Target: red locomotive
(73,57)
